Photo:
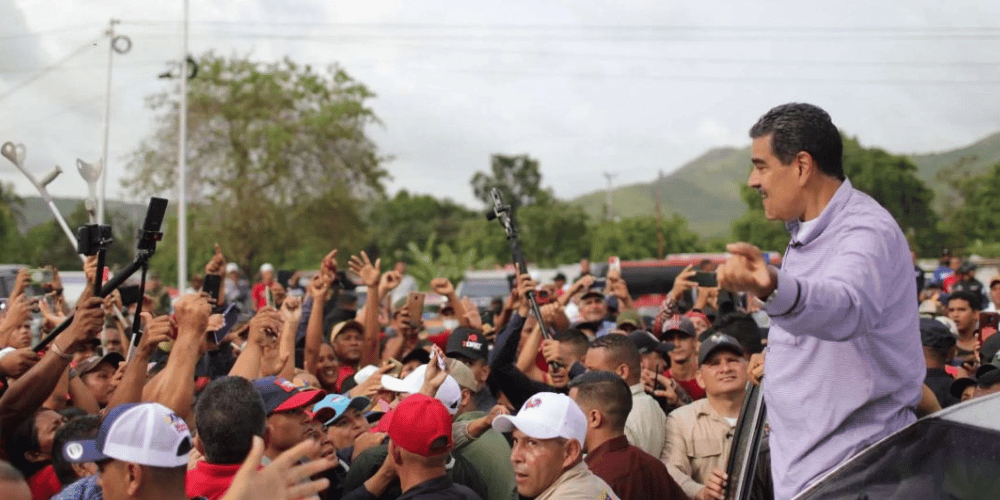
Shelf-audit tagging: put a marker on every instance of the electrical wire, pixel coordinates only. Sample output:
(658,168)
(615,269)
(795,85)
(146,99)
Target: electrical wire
(50,67)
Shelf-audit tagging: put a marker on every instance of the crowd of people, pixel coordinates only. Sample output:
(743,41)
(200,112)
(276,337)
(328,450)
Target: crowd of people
(290,388)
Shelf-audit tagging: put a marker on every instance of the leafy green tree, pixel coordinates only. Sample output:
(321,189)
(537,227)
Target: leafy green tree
(277,152)
(635,238)
(977,218)
(47,244)
(892,180)
(395,222)
(10,214)
(518,179)
(552,233)
(438,260)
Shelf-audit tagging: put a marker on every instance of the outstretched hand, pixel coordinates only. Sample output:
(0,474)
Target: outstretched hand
(283,478)
(746,271)
(363,267)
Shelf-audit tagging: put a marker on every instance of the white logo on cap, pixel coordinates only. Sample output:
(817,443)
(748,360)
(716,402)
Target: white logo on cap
(74,451)
(472,345)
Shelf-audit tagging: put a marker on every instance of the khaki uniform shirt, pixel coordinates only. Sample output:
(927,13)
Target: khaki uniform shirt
(645,427)
(698,440)
(578,483)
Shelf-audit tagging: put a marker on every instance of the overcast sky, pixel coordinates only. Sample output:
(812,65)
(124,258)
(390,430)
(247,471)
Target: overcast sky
(628,87)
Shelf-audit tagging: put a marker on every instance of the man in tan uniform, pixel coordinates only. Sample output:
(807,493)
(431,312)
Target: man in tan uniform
(547,456)
(700,434)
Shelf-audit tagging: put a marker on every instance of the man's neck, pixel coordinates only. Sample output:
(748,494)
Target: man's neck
(728,405)
(600,436)
(411,476)
(966,335)
(819,193)
(684,370)
(174,492)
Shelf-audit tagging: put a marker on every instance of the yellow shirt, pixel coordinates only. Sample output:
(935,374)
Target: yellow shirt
(698,440)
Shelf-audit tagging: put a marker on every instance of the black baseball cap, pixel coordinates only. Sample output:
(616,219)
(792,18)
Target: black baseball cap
(646,342)
(987,376)
(278,394)
(90,364)
(468,343)
(717,342)
(959,386)
(934,334)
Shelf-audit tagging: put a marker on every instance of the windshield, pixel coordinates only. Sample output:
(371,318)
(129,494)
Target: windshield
(932,459)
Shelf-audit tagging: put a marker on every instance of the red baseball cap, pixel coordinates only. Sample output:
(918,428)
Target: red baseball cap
(418,424)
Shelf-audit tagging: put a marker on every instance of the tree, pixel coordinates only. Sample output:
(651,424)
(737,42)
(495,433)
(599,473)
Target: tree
(438,260)
(270,148)
(635,238)
(10,214)
(976,219)
(395,222)
(892,181)
(518,179)
(47,244)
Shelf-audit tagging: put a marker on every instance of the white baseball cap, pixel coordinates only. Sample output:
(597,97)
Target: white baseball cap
(232,267)
(267,267)
(450,394)
(547,415)
(141,433)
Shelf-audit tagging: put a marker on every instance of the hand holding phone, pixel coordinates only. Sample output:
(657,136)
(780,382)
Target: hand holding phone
(415,306)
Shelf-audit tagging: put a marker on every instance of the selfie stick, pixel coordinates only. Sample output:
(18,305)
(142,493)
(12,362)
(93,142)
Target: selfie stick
(503,213)
(148,236)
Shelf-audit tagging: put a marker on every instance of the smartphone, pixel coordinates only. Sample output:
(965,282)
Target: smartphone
(990,319)
(230,316)
(614,264)
(704,279)
(211,286)
(415,305)
(599,283)
(130,294)
(269,297)
(40,275)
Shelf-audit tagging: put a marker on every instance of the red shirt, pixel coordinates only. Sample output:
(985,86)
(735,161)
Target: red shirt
(343,372)
(209,480)
(44,484)
(691,386)
(632,473)
(258,296)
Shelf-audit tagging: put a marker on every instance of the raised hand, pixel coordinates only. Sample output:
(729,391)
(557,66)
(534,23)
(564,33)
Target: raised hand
(192,312)
(217,264)
(319,286)
(746,271)
(265,324)
(16,363)
(20,283)
(283,478)
(442,286)
(683,283)
(291,310)
(329,263)
(363,267)
(390,280)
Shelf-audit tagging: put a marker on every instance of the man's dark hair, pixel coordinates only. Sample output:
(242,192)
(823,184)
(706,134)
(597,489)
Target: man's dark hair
(606,391)
(228,415)
(741,327)
(621,351)
(576,339)
(974,300)
(22,440)
(84,427)
(796,127)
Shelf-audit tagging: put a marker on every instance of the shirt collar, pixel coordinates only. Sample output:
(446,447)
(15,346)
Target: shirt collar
(833,207)
(614,444)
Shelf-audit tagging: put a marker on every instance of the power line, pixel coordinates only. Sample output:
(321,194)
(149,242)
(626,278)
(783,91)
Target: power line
(48,68)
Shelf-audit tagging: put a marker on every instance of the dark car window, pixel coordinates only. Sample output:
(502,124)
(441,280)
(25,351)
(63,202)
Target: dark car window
(933,459)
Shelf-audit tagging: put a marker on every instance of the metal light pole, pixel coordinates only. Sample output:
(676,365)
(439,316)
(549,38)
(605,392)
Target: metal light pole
(182,162)
(121,45)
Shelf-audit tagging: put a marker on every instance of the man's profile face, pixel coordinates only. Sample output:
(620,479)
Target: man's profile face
(537,462)
(99,382)
(346,429)
(778,184)
(962,314)
(995,293)
(723,372)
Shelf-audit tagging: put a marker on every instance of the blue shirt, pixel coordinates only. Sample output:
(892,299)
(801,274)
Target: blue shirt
(844,363)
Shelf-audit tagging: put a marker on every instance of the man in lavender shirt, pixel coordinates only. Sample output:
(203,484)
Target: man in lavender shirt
(843,356)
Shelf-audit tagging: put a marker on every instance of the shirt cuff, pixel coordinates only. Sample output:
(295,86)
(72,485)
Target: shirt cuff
(786,296)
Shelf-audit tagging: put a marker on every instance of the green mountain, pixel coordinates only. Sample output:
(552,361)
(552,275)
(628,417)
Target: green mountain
(705,191)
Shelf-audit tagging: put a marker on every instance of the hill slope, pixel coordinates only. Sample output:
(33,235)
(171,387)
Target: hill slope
(705,191)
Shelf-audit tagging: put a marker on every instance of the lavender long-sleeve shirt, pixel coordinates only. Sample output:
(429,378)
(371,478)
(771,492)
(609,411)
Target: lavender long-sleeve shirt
(844,362)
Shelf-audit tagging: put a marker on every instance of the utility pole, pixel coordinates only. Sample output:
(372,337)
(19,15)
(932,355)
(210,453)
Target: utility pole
(182,162)
(121,45)
(609,213)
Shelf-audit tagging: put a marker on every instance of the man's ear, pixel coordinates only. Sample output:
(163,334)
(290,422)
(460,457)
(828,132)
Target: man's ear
(133,478)
(698,378)
(198,445)
(595,419)
(394,454)
(466,398)
(573,452)
(622,371)
(806,166)
(36,456)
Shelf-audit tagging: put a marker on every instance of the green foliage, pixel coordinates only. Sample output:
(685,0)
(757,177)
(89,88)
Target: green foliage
(47,244)
(551,233)
(437,260)
(518,179)
(976,220)
(892,180)
(405,218)
(10,213)
(636,238)
(278,158)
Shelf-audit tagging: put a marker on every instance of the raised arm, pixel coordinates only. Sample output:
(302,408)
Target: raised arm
(129,390)
(529,353)
(248,363)
(291,312)
(370,275)
(319,287)
(217,265)
(444,287)
(28,393)
(177,393)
